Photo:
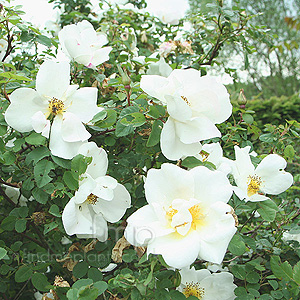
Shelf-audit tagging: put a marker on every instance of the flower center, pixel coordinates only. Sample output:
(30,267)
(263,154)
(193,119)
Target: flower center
(92,199)
(183,219)
(254,183)
(185,99)
(193,289)
(56,106)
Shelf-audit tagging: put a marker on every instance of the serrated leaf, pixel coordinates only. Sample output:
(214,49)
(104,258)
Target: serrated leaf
(70,181)
(191,162)
(281,270)
(109,120)
(44,40)
(135,119)
(40,196)
(237,245)
(41,171)
(35,139)
(122,130)
(296,273)
(49,227)
(54,210)
(37,154)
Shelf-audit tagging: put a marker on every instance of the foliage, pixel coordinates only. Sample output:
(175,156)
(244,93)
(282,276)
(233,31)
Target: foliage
(34,248)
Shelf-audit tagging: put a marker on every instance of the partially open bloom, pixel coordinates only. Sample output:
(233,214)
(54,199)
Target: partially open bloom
(83,44)
(206,286)
(268,177)
(195,104)
(168,11)
(99,199)
(55,108)
(186,216)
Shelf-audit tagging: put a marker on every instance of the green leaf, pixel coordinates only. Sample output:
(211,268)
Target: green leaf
(41,171)
(70,181)
(191,162)
(248,118)
(35,139)
(267,210)
(289,151)
(87,293)
(95,274)
(65,163)
(20,225)
(80,269)
(72,294)
(296,275)
(237,245)
(154,136)
(79,164)
(9,158)
(176,295)
(239,271)
(101,286)
(122,130)
(54,210)
(110,119)
(82,282)
(49,227)
(129,110)
(40,196)
(156,111)
(44,40)
(267,138)
(3,252)
(37,154)
(99,116)
(40,282)
(253,277)
(281,270)
(23,274)
(135,119)
(11,75)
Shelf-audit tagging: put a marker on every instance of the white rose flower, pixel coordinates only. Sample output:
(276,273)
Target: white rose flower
(195,104)
(159,68)
(288,236)
(168,11)
(268,177)
(186,216)
(83,44)
(55,108)
(14,194)
(99,199)
(206,286)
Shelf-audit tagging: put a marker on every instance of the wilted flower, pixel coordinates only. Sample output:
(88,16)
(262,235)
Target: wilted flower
(55,108)
(268,177)
(206,286)
(168,11)
(82,43)
(99,199)
(186,216)
(195,104)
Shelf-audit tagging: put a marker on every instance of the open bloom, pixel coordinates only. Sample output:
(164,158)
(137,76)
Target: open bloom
(268,177)
(99,199)
(195,104)
(55,108)
(83,44)
(168,11)
(206,286)
(186,216)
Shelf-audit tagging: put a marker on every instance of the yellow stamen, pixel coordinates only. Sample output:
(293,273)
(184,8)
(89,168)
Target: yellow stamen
(197,216)
(171,212)
(92,199)
(56,106)
(186,100)
(193,289)
(204,155)
(254,183)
